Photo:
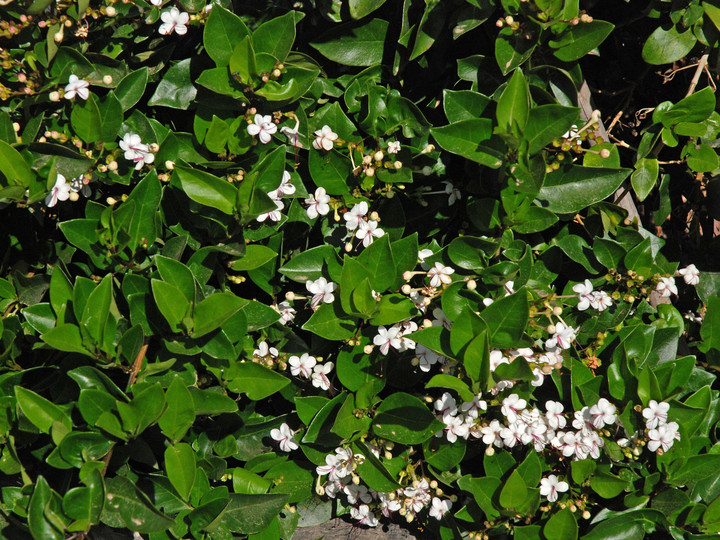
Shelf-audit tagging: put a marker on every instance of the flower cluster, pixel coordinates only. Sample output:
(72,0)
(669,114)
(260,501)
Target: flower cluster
(357,223)
(395,337)
(136,151)
(661,433)
(284,189)
(587,297)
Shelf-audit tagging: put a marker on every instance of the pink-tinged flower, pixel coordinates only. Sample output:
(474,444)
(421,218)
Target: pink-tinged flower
(77,86)
(574,443)
(302,365)
(663,437)
(584,292)
(318,203)
(393,147)
(324,139)
(452,192)
(426,358)
(440,507)
(563,337)
(293,135)
(320,375)
(551,486)
(600,300)
(491,433)
(387,338)
(554,415)
(603,413)
(136,151)
(440,274)
(59,192)
(387,505)
(263,127)
(367,232)
(322,291)
(656,414)
(690,274)
(287,312)
(273,215)
(285,187)
(284,436)
(355,216)
(174,21)
(364,516)
(446,405)
(265,351)
(455,427)
(512,407)
(666,287)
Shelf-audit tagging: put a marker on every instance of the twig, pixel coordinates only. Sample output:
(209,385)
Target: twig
(701,66)
(614,121)
(137,365)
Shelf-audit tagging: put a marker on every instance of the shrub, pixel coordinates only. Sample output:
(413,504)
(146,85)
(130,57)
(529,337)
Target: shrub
(269,264)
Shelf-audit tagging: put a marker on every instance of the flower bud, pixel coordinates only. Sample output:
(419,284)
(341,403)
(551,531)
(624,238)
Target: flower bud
(489,451)
(368,349)
(289,296)
(471,285)
(276,73)
(406,289)
(58,37)
(398,165)
(111,201)
(113,165)
(74,196)
(154,147)
(170,165)
(378,156)
(367,160)
(110,11)
(427,323)
(557,310)
(551,329)
(348,247)
(604,153)
(370,171)
(107,79)
(374,216)
(54,96)
(428,148)
(16,127)
(407,275)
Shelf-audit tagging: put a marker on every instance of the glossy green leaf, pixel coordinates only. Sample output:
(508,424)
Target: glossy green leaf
(561,526)
(180,412)
(667,45)
(463,138)
(256,381)
(180,467)
(354,45)
(569,191)
(207,189)
(404,418)
(579,40)
(222,31)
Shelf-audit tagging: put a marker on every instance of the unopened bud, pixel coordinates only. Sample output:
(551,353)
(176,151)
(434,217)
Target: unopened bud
(74,196)
(427,323)
(348,247)
(54,96)
(604,153)
(16,127)
(367,160)
(557,310)
(113,165)
(407,275)
(58,37)
(551,329)
(289,296)
(368,349)
(110,11)
(378,156)
(370,171)
(471,284)
(428,148)
(170,165)
(111,201)
(276,73)
(154,147)
(374,216)
(406,289)
(107,79)
(397,165)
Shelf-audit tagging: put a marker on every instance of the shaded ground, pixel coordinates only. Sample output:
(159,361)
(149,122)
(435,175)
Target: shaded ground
(338,529)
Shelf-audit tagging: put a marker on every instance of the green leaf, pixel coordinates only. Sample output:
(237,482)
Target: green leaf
(133,507)
(512,48)
(79,447)
(249,514)
(131,88)
(171,302)
(175,90)
(393,308)
(86,120)
(442,380)
(217,135)
(666,46)
(204,188)
(41,412)
(38,520)
(65,337)
(180,412)
(535,219)
(222,31)
(514,103)
(702,158)
(607,485)
(361,8)
(464,104)
(40,317)
(178,274)
(463,138)
(694,108)
(506,319)
(645,176)
(214,310)
(330,171)
(330,323)
(146,197)
(255,256)
(255,381)
(571,190)
(580,39)
(310,265)
(276,36)
(405,419)
(97,309)
(546,123)
(373,472)
(208,402)
(514,492)
(354,45)
(483,491)
(561,526)
(242,61)
(14,167)
(180,468)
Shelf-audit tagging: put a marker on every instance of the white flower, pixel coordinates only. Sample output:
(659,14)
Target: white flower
(59,192)
(453,192)
(655,414)
(77,86)
(584,292)
(368,231)
(426,358)
(600,300)
(387,338)
(174,20)
(293,134)
(263,127)
(508,286)
(158,2)
(318,203)
(324,139)
(387,505)
(322,291)
(355,216)
(563,337)
(602,413)
(284,436)
(264,351)
(663,437)
(690,274)
(666,287)
(440,274)
(554,416)
(512,406)
(287,313)
(136,151)
(302,365)
(573,443)
(285,187)
(497,358)
(320,375)
(455,427)
(440,507)
(491,433)
(473,408)
(273,215)
(364,515)
(424,254)
(393,147)
(551,486)
(446,405)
